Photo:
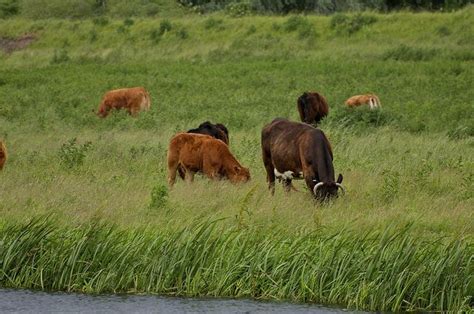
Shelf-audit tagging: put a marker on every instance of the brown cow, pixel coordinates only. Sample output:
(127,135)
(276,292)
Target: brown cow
(312,107)
(132,99)
(203,153)
(297,150)
(367,99)
(3,154)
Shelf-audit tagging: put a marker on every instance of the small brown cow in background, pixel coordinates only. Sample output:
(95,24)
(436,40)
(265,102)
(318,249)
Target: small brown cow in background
(312,107)
(203,153)
(3,154)
(133,99)
(367,99)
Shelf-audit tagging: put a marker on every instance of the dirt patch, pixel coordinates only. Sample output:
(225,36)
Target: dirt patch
(8,45)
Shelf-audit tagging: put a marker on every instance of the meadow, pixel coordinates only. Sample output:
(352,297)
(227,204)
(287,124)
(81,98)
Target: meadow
(84,204)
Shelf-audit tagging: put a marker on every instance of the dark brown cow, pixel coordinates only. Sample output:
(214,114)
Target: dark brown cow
(217,130)
(203,153)
(312,107)
(293,150)
(3,154)
(133,100)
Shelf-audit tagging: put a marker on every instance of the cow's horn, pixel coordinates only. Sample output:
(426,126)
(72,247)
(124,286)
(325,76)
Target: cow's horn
(317,186)
(341,187)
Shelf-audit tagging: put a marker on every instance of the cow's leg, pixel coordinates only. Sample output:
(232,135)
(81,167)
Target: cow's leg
(267,161)
(189,176)
(173,164)
(181,172)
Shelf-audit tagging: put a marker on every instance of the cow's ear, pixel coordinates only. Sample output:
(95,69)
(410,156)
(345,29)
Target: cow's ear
(339,179)
(237,169)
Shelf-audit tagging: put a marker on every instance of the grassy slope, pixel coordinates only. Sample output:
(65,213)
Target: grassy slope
(400,166)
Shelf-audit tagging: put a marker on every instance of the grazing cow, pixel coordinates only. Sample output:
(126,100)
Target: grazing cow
(3,154)
(293,150)
(312,107)
(368,99)
(203,153)
(218,131)
(132,99)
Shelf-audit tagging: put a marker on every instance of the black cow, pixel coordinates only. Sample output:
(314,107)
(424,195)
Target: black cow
(294,150)
(218,131)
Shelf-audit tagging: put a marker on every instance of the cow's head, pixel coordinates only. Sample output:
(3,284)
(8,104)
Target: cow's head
(326,190)
(240,175)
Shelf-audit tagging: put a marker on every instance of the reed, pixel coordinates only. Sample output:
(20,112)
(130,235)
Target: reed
(386,270)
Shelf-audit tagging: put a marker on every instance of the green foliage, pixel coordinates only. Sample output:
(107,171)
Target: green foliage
(165,26)
(214,23)
(238,9)
(71,154)
(182,33)
(9,8)
(159,196)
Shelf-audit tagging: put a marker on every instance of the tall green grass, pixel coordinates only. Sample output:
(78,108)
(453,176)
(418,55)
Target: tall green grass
(375,270)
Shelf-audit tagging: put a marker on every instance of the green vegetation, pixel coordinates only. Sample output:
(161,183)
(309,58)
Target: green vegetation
(401,238)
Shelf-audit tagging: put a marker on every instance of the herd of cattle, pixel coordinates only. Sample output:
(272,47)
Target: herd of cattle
(290,150)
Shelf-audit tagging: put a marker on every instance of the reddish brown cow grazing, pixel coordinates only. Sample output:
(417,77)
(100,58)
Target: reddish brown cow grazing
(3,154)
(132,99)
(369,99)
(293,150)
(203,153)
(312,107)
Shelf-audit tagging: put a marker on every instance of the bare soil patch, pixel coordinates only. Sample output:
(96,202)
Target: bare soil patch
(8,45)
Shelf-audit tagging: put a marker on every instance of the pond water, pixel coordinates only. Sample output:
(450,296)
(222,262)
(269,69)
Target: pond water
(25,301)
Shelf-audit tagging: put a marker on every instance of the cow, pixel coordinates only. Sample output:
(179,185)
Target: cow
(368,99)
(205,154)
(133,100)
(293,150)
(218,131)
(3,154)
(312,107)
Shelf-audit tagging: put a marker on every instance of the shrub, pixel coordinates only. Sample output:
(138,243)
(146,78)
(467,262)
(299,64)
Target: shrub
(71,154)
(238,9)
(9,8)
(165,26)
(212,23)
(159,196)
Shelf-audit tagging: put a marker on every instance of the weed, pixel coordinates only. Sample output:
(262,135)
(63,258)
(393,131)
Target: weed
(71,154)
(159,196)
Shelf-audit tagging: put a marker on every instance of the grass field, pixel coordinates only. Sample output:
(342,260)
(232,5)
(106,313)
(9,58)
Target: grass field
(408,168)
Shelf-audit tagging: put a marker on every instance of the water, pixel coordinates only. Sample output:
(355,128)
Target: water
(24,301)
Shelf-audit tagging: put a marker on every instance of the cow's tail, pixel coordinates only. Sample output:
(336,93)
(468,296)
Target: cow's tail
(147,100)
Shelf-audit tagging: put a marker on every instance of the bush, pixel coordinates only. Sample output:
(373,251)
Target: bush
(71,154)
(165,26)
(238,9)
(9,8)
